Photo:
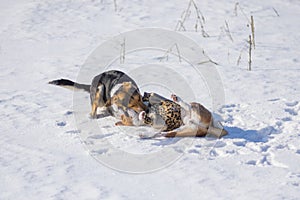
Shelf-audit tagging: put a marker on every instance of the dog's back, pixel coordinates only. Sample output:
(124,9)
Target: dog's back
(108,80)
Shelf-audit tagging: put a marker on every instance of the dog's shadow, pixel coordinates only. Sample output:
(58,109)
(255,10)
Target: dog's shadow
(262,135)
(102,115)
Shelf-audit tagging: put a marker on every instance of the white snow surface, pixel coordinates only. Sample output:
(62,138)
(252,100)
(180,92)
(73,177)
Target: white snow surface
(43,154)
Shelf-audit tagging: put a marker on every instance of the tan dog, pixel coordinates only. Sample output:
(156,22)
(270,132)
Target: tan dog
(198,121)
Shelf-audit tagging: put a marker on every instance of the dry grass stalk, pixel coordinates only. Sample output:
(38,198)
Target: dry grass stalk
(180,26)
(238,6)
(239,58)
(186,14)
(122,52)
(200,19)
(250,52)
(252,31)
(115,5)
(228,31)
(276,12)
(170,50)
(209,59)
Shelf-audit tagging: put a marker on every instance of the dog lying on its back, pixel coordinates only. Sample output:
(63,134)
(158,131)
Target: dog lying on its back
(198,121)
(113,91)
(194,119)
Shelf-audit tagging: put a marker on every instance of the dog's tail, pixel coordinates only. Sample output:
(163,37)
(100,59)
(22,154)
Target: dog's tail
(71,85)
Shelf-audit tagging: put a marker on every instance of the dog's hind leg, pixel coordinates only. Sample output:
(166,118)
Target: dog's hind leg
(96,99)
(95,105)
(186,131)
(217,130)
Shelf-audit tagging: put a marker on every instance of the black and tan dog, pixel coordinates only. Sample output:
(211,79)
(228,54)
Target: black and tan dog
(179,119)
(112,90)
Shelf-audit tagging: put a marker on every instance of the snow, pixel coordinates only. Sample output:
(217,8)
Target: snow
(50,149)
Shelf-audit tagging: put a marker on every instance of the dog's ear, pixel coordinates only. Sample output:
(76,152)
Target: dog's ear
(146,96)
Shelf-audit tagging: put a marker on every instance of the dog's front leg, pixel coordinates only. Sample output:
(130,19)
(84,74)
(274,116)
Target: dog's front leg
(184,105)
(125,121)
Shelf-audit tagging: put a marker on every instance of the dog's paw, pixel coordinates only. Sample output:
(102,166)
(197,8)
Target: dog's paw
(119,123)
(93,116)
(174,97)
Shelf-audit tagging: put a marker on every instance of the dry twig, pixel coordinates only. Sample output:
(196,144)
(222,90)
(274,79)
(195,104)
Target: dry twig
(122,52)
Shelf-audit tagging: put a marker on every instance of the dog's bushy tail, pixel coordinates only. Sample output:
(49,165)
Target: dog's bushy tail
(71,85)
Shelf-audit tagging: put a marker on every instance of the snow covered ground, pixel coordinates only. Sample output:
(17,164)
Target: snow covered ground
(44,153)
